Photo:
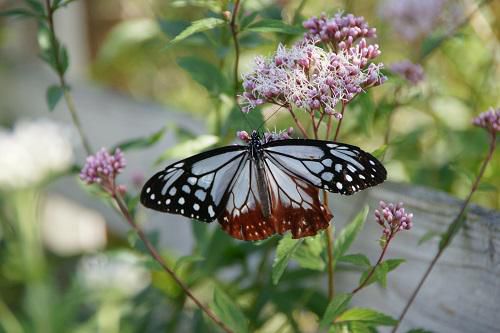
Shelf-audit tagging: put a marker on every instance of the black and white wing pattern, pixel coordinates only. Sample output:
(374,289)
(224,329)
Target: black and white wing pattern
(195,187)
(336,167)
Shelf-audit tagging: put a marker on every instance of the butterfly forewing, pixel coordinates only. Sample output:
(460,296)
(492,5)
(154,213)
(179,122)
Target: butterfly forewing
(336,167)
(195,187)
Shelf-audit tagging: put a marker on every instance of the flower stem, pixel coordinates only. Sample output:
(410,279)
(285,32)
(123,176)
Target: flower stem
(329,247)
(62,81)
(337,131)
(445,245)
(370,274)
(297,121)
(234,33)
(154,253)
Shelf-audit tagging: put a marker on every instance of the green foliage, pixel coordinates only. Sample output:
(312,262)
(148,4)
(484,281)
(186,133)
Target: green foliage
(336,306)
(229,311)
(205,74)
(140,143)
(367,316)
(198,26)
(286,248)
(452,230)
(381,271)
(54,94)
(348,234)
(188,148)
(277,26)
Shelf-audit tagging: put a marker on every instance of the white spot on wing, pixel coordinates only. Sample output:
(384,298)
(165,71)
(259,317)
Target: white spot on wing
(172,191)
(211,211)
(186,188)
(181,201)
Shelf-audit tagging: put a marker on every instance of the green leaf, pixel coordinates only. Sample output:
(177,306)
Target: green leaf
(188,148)
(237,120)
(379,152)
(54,94)
(485,187)
(336,306)
(187,260)
(63,59)
(286,247)
(247,20)
(36,6)
(17,12)
(452,230)
(357,259)
(142,142)
(308,255)
(427,236)
(381,271)
(419,330)
(431,43)
(269,25)
(198,26)
(214,6)
(347,235)
(368,316)
(205,74)
(229,312)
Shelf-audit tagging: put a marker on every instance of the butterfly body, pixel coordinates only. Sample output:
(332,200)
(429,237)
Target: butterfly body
(263,188)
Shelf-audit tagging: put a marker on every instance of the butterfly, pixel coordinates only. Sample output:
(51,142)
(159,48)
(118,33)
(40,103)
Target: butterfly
(257,190)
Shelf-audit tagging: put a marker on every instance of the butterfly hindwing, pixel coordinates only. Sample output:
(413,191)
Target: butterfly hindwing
(336,167)
(294,205)
(194,187)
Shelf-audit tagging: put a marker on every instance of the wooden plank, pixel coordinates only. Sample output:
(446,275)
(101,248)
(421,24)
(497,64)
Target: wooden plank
(462,294)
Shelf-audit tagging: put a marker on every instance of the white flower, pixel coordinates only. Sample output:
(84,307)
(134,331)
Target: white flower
(122,272)
(32,151)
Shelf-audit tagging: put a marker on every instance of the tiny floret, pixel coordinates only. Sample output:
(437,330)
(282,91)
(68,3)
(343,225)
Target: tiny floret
(489,120)
(102,167)
(393,218)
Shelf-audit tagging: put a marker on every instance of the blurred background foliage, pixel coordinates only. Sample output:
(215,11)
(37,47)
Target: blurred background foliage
(108,287)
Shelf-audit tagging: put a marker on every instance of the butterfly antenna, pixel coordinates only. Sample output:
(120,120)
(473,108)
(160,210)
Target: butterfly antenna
(272,115)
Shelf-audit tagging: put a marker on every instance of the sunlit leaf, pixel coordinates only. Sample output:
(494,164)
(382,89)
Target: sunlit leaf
(269,25)
(188,148)
(308,255)
(368,316)
(214,6)
(205,74)
(142,142)
(229,312)
(198,26)
(247,19)
(286,247)
(187,260)
(348,234)
(336,306)
(379,152)
(54,94)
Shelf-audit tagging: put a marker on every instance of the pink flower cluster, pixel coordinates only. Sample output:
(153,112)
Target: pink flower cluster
(413,73)
(309,77)
(393,218)
(268,136)
(339,31)
(102,168)
(489,120)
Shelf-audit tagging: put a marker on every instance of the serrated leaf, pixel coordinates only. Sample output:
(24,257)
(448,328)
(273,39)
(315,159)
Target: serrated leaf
(348,234)
(142,142)
(53,96)
(357,259)
(279,26)
(187,260)
(205,74)
(427,236)
(367,316)
(198,26)
(336,306)
(379,152)
(188,148)
(452,230)
(381,271)
(286,247)
(229,312)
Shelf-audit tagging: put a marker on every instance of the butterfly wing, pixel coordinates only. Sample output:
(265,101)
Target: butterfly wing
(195,187)
(336,167)
(294,204)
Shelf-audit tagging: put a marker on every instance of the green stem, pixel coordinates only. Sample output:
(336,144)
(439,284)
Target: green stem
(62,81)
(445,245)
(234,32)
